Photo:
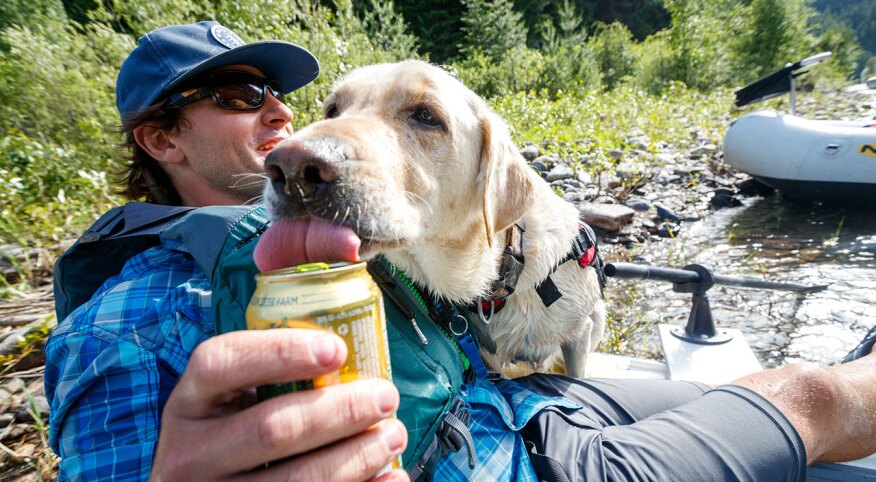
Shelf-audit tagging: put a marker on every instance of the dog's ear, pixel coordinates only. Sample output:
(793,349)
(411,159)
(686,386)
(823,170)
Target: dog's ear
(504,180)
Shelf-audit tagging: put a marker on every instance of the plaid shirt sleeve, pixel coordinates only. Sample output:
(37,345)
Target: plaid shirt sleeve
(111,365)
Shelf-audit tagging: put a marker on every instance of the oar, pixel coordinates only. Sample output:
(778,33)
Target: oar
(672,275)
(697,280)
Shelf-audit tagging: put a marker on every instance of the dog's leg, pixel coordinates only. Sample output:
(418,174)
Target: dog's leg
(575,356)
(575,351)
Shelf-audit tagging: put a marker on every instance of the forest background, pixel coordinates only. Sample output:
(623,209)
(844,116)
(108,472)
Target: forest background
(573,76)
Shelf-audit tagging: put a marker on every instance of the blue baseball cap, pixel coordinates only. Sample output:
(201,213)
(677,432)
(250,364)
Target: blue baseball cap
(168,57)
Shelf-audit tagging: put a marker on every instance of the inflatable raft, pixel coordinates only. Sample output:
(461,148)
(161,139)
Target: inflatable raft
(832,162)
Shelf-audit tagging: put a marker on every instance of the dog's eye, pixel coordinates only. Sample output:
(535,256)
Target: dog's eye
(424,116)
(331,111)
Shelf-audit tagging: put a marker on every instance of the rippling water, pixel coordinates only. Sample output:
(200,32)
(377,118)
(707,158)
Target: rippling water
(779,241)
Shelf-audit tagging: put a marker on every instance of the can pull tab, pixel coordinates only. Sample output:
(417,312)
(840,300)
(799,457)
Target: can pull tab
(309,267)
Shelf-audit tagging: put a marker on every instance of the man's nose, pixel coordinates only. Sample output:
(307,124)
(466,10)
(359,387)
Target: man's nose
(299,173)
(275,113)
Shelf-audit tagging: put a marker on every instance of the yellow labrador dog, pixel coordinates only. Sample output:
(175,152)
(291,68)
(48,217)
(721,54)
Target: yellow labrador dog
(411,164)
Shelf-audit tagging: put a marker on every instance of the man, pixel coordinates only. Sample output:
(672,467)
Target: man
(201,112)
(141,354)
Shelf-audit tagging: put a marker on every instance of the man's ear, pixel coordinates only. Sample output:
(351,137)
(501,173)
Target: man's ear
(504,180)
(158,144)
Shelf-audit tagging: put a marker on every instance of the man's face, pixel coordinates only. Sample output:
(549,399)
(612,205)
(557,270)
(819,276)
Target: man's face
(227,148)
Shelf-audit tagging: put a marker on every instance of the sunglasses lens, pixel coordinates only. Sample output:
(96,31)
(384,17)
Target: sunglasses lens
(240,96)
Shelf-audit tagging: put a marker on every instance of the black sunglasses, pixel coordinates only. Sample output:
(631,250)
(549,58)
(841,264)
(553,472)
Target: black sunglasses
(230,90)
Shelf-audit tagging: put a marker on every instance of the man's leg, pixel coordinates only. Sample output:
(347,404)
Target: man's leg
(832,408)
(656,430)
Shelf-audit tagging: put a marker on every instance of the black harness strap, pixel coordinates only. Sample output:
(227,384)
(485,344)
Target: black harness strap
(585,251)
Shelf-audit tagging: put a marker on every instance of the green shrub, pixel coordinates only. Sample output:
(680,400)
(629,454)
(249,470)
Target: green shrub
(47,194)
(582,126)
(613,50)
(519,70)
(653,70)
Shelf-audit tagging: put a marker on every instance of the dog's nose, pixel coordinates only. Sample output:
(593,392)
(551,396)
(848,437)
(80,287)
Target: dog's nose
(298,172)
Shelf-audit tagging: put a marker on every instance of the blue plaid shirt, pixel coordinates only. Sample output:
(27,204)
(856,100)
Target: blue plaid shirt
(112,364)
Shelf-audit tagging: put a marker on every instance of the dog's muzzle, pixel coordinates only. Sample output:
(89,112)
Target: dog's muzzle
(300,173)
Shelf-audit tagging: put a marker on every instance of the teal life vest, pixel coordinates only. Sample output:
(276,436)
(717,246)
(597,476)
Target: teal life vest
(428,365)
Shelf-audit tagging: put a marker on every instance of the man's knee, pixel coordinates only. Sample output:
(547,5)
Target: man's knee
(811,390)
(809,396)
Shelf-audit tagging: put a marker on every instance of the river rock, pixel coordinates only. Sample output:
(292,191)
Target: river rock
(539,167)
(584,177)
(724,198)
(702,150)
(667,230)
(667,215)
(640,143)
(630,170)
(575,197)
(664,158)
(559,172)
(638,204)
(41,406)
(530,152)
(545,160)
(607,217)
(5,419)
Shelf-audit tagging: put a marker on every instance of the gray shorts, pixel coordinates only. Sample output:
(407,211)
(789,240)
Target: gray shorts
(658,430)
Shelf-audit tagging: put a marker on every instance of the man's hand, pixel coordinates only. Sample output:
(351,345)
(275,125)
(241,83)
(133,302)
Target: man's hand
(340,432)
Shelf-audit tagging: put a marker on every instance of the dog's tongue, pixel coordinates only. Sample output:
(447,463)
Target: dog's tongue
(290,242)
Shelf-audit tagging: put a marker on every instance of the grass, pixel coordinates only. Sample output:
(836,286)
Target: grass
(45,462)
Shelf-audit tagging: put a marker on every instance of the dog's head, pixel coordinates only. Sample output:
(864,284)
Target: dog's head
(408,162)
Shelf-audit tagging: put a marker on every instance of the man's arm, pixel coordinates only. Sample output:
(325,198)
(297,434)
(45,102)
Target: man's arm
(340,432)
(106,405)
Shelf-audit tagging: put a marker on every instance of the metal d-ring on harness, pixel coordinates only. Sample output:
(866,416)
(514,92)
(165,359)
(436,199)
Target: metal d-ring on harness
(509,272)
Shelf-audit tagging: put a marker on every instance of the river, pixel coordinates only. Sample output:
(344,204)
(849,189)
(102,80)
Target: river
(769,238)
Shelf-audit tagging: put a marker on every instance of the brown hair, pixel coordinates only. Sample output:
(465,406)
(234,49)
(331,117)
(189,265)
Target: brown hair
(142,177)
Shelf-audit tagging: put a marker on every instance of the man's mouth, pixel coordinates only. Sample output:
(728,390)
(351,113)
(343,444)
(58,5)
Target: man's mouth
(269,145)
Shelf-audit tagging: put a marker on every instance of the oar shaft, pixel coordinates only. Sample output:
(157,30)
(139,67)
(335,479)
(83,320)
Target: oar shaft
(672,275)
(760,284)
(638,271)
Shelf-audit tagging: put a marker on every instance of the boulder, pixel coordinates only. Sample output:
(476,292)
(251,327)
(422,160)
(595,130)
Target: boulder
(530,152)
(607,217)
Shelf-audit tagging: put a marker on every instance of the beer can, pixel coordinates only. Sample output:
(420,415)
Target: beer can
(340,298)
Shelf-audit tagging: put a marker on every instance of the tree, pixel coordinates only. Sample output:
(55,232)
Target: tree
(437,24)
(777,32)
(388,30)
(612,47)
(492,27)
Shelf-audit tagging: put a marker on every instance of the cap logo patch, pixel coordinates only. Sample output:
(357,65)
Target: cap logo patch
(226,37)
